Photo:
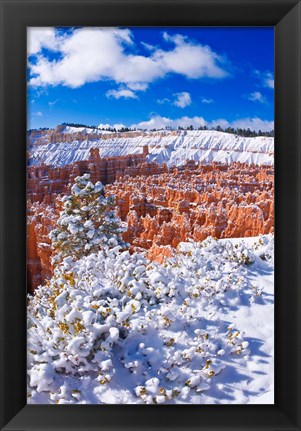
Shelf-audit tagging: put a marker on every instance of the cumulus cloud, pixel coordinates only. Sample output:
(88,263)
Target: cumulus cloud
(42,37)
(256,97)
(182,99)
(93,54)
(219,122)
(254,124)
(269,80)
(158,122)
(121,93)
(190,59)
(163,101)
(87,55)
(117,126)
(266,78)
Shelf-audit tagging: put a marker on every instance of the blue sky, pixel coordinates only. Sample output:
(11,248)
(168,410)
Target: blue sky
(151,77)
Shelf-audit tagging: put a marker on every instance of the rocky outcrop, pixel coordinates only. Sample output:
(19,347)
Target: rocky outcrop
(160,253)
(65,145)
(45,182)
(161,206)
(65,134)
(224,201)
(41,220)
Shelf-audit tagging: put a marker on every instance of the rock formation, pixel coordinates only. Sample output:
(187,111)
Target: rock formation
(161,206)
(224,201)
(65,145)
(41,220)
(45,182)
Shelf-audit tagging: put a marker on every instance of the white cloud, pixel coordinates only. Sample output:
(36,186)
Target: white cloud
(245,123)
(269,80)
(137,86)
(93,54)
(182,99)
(254,124)
(207,101)
(190,59)
(148,46)
(219,122)
(117,126)
(38,114)
(256,97)
(88,55)
(266,78)
(42,37)
(158,122)
(177,39)
(105,126)
(123,92)
(163,101)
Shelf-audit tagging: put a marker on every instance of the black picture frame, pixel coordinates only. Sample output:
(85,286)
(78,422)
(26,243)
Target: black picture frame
(284,15)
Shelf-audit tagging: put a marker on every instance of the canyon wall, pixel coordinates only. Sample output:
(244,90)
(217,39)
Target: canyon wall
(223,201)
(58,148)
(45,182)
(41,219)
(162,206)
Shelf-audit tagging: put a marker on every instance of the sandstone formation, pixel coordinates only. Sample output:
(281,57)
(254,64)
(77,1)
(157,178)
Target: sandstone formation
(45,182)
(162,206)
(41,219)
(224,201)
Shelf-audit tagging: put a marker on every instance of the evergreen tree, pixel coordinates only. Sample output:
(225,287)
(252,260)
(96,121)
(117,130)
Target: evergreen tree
(87,223)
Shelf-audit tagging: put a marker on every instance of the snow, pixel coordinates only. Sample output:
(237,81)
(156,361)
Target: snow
(88,130)
(115,328)
(173,148)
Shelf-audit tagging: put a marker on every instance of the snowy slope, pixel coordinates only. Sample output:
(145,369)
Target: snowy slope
(114,328)
(174,148)
(88,130)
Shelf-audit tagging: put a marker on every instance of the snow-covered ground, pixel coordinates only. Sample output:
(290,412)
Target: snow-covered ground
(88,130)
(117,328)
(173,148)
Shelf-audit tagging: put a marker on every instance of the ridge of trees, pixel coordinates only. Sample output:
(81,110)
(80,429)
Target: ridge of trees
(234,131)
(40,128)
(248,133)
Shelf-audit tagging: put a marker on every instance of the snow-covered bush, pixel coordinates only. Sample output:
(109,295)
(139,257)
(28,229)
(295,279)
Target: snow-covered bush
(264,247)
(116,328)
(87,222)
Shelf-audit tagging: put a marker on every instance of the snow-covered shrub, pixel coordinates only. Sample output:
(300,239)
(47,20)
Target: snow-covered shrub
(116,328)
(88,221)
(264,247)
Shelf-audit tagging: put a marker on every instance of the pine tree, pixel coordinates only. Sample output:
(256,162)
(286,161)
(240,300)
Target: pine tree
(87,223)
